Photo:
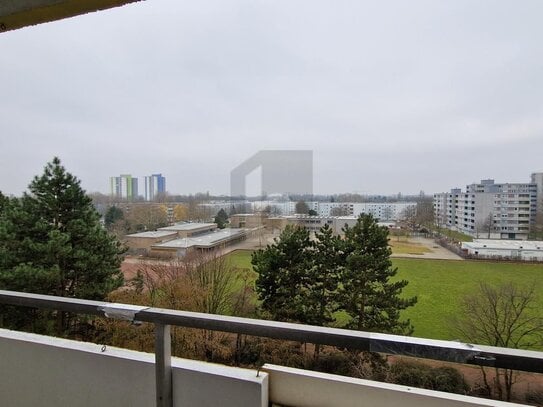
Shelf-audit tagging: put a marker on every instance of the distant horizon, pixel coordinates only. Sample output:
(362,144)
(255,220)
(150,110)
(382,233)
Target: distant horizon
(271,197)
(355,192)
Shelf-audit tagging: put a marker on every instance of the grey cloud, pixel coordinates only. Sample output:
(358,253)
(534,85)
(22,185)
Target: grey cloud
(391,96)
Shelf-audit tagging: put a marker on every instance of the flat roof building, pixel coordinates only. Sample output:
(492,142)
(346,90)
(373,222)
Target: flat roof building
(527,250)
(248,220)
(178,239)
(207,241)
(190,229)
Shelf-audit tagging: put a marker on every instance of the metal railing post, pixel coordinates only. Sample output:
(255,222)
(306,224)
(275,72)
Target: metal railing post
(163,365)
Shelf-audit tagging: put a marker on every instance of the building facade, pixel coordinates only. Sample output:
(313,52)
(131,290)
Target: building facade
(489,210)
(445,205)
(179,239)
(125,187)
(524,250)
(384,211)
(537,179)
(155,184)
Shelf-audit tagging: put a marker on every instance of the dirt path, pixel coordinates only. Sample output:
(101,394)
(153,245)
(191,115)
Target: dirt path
(437,251)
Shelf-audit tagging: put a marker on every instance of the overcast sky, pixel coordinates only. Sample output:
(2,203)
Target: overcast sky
(391,95)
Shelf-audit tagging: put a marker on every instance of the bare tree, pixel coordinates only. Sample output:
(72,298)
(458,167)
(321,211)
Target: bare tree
(339,211)
(425,212)
(146,216)
(199,282)
(301,207)
(536,229)
(504,316)
(409,218)
(485,226)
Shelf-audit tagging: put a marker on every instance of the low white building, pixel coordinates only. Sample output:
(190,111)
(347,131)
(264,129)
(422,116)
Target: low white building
(527,250)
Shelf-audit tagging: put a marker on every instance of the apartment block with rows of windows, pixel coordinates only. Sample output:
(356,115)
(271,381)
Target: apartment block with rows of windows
(490,210)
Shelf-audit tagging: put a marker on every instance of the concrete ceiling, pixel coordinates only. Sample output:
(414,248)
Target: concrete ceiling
(22,13)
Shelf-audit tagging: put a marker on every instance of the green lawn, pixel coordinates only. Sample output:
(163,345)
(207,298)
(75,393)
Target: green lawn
(241,258)
(440,284)
(455,235)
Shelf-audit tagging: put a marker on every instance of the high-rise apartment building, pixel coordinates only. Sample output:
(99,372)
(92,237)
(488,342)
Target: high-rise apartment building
(489,210)
(125,186)
(445,206)
(537,179)
(154,184)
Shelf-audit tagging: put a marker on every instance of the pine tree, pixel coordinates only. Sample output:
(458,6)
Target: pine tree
(8,247)
(113,214)
(321,281)
(54,243)
(4,201)
(366,291)
(281,268)
(221,219)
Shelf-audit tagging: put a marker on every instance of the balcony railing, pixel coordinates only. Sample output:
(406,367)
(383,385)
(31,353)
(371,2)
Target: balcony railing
(528,361)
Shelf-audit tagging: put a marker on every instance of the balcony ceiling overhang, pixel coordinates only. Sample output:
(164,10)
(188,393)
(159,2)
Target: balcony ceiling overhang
(15,14)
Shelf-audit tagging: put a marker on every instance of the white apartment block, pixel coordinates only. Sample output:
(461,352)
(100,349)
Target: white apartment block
(385,211)
(276,207)
(489,210)
(445,205)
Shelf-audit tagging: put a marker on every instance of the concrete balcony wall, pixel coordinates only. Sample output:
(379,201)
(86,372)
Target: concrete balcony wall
(38,370)
(303,388)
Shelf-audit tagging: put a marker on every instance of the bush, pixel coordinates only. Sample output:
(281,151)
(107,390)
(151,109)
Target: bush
(411,374)
(534,397)
(332,361)
(416,374)
(450,380)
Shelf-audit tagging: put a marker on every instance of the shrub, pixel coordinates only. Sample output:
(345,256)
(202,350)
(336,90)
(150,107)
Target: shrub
(416,374)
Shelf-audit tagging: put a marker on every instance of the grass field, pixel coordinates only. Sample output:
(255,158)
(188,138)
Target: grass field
(458,236)
(407,247)
(440,285)
(241,258)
